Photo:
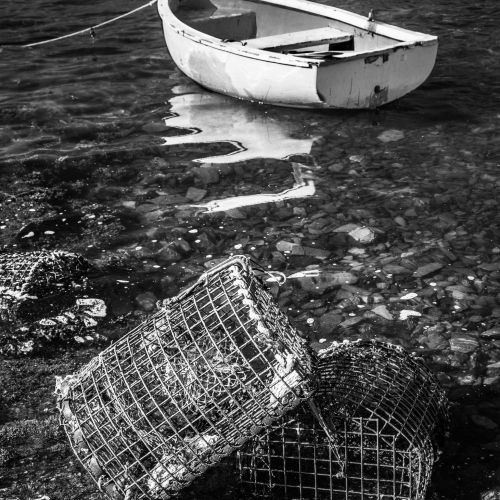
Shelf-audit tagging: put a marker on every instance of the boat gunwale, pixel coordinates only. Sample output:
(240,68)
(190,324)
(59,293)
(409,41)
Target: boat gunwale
(301,61)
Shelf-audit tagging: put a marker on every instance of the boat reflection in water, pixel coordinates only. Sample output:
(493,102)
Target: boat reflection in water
(251,129)
(303,188)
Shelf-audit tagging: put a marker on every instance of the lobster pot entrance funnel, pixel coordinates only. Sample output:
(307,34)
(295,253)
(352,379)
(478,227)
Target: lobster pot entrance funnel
(33,285)
(211,369)
(370,432)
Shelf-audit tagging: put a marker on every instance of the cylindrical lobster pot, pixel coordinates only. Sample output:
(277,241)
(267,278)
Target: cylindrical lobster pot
(370,432)
(296,459)
(194,382)
(373,379)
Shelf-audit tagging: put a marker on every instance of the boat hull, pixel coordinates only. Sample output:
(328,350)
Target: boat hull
(358,81)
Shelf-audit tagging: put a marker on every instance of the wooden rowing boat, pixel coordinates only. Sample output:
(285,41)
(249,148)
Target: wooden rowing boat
(294,52)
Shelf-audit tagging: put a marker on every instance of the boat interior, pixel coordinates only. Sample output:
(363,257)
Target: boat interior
(266,26)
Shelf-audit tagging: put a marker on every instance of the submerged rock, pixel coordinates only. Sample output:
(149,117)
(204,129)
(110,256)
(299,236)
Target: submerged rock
(146,301)
(391,135)
(320,283)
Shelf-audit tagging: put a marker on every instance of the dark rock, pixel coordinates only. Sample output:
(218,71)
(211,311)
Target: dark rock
(483,421)
(146,301)
(207,175)
(329,322)
(319,284)
(491,334)
(289,247)
(435,340)
(299,297)
(493,266)
(395,269)
(317,253)
(196,194)
(427,269)
(203,242)
(168,254)
(169,199)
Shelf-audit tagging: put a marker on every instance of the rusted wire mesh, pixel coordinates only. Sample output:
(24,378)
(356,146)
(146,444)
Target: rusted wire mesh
(194,382)
(34,284)
(371,432)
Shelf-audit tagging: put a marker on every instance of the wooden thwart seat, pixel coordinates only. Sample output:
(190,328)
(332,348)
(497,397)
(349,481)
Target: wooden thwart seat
(299,39)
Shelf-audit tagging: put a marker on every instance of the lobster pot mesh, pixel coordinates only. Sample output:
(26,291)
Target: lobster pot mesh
(32,285)
(295,460)
(187,387)
(373,379)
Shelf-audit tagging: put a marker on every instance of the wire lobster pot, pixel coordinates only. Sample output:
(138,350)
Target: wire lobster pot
(371,432)
(34,285)
(216,365)
(373,379)
(295,459)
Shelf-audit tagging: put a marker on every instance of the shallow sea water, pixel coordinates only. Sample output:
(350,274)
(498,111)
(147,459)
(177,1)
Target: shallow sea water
(108,150)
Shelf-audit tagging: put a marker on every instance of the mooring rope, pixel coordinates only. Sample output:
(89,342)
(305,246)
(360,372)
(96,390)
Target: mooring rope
(92,28)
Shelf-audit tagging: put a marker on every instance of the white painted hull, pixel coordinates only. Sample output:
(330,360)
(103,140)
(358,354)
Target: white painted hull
(356,79)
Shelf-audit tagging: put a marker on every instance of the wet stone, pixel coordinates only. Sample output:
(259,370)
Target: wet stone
(383,312)
(435,340)
(168,254)
(491,494)
(146,207)
(203,242)
(427,269)
(483,421)
(391,135)
(326,280)
(463,343)
(317,253)
(196,194)
(154,127)
(363,235)
(146,301)
(329,322)
(207,175)
(395,269)
(170,199)
(346,228)
(289,247)
(494,266)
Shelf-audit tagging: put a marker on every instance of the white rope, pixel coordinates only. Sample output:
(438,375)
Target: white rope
(92,28)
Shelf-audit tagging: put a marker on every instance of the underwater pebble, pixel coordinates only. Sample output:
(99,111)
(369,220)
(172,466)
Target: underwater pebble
(483,421)
(406,313)
(195,194)
(391,135)
(292,248)
(363,235)
(463,343)
(146,301)
(427,269)
(382,311)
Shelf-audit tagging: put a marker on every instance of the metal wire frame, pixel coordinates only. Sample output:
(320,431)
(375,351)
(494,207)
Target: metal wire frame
(294,459)
(373,379)
(387,414)
(187,387)
(30,282)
